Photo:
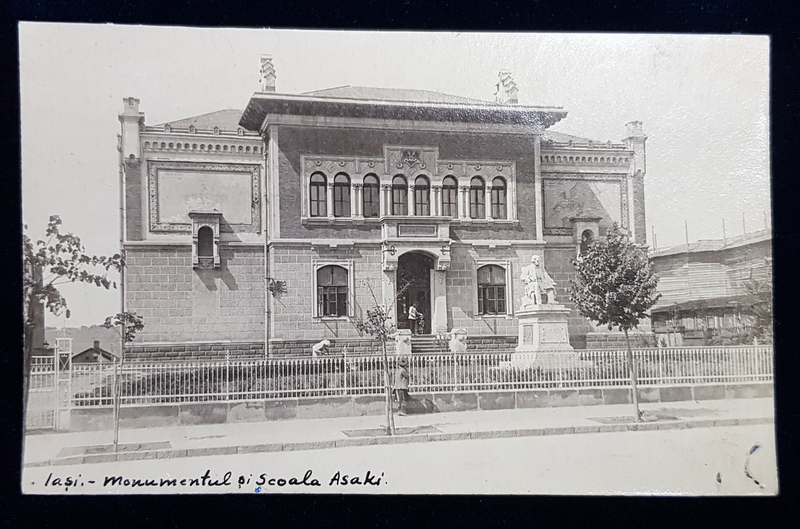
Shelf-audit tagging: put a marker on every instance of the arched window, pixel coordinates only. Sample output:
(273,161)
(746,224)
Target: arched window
(341,195)
(491,290)
(422,195)
(399,195)
(371,197)
(205,242)
(499,195)
(587,237)
(450,197)
(332,291)
(477,198)
(318,193)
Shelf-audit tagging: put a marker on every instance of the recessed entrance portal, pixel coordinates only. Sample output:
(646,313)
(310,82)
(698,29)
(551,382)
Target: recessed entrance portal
(414,286)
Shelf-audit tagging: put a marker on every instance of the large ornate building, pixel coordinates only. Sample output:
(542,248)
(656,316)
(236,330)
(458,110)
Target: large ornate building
(281,224)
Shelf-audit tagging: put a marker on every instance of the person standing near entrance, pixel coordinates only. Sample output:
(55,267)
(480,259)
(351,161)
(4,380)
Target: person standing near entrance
(401,384)
(413,319)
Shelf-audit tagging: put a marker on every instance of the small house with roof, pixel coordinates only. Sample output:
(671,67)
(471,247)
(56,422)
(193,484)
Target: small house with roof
(94,355)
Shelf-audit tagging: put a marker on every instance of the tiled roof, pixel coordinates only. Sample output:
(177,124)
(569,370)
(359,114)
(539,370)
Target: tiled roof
(224,119)
(559,137)
(392,94)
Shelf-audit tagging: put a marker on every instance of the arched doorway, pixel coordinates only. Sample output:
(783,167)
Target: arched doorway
(414,286)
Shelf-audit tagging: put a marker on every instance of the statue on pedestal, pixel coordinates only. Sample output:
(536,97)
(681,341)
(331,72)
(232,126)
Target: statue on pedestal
(539,286)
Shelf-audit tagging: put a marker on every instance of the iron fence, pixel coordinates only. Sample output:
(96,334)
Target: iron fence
(41,410)
(235,380)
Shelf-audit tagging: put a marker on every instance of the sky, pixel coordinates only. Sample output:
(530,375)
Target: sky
(703,101)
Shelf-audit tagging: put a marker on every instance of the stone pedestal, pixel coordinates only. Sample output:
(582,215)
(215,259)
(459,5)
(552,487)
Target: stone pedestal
(402,342)
(544,339)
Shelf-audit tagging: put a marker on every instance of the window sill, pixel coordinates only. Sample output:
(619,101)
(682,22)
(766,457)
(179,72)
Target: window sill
(332,318)
(328,221)
(495,316)
(485,221)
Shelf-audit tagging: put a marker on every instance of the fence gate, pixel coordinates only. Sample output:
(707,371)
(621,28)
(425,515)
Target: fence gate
(43,394)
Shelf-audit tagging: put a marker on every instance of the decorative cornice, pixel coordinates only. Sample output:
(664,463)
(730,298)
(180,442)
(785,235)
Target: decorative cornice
(216,146)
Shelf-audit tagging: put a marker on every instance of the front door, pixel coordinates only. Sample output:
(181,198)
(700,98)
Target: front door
(414,286)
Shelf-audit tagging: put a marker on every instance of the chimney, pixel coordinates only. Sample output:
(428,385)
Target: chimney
(97,344)
(267,74)
(131,120)
(505,92)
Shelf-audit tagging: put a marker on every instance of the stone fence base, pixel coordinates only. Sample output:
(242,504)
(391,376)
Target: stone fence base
(85,419)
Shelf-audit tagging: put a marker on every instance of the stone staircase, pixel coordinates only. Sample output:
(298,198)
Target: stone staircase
(426,344)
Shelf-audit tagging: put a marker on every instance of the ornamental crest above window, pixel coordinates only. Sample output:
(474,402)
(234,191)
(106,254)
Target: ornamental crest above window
(410,157)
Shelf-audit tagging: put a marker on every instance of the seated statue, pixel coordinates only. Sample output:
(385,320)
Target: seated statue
(540,288)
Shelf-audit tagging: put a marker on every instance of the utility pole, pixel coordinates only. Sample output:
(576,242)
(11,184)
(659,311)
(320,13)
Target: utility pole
(744,227)
(724,236)
(688,259)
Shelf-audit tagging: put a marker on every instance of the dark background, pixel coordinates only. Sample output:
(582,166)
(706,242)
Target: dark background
(776,18)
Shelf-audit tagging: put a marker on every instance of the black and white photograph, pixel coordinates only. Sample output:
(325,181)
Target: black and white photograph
(263,261)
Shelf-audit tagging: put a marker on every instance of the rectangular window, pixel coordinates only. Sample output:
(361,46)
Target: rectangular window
(372,205)
(341,201)
(332,301)
(422,200)
(477,199)
(399,201)
(319,205)
(492,299)
(449,204)
(498,203)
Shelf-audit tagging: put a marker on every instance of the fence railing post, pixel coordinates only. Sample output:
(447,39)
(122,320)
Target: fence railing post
(227,375)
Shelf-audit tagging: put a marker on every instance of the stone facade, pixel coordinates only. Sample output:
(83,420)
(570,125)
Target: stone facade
(180,304)
(233,218)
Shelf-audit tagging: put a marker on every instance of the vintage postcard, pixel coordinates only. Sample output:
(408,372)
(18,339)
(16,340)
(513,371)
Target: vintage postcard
(270,261)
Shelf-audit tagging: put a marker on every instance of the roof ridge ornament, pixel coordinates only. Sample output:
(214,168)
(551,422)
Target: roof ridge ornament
(506,91)
(267,74)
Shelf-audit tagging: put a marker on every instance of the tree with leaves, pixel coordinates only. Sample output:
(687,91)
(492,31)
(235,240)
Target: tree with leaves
(760,292)
(380,324)
(57,259)
(129,324)
(615,286)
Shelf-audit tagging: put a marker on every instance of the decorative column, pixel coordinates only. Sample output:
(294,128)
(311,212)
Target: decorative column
(439,296)
(463,202)
(436,200)
(329,200)
(537,177)
(386,205)
(356,199)
(411,205)
(488,202)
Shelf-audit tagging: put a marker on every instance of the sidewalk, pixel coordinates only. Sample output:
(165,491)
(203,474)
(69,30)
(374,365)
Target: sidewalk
(70,448)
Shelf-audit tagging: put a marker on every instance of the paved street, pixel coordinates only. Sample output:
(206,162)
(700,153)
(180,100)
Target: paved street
(647,462)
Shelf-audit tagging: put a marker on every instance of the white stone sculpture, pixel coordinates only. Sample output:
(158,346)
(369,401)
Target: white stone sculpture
(539,286)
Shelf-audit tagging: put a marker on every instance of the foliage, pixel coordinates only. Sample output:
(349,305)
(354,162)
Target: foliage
(761,291)
(615,283)
(60,259)
(379,322)
(129,321)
